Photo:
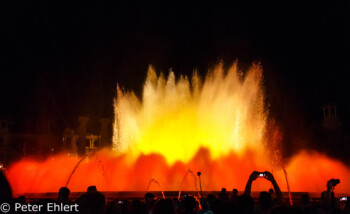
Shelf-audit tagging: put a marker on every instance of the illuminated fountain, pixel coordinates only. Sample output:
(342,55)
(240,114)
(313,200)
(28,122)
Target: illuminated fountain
(218,126)
(223,114)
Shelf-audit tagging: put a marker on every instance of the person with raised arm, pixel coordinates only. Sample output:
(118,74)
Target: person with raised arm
(265,199)
(328,201)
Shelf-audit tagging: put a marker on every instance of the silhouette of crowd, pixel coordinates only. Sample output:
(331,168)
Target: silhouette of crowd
(271,201)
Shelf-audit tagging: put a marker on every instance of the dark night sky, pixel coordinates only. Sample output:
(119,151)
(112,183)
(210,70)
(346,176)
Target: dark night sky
(60,60)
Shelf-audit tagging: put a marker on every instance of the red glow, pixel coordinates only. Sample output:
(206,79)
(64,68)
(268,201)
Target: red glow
(307,172)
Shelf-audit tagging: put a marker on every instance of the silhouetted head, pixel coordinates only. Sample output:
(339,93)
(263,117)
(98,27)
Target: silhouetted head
(235,192)
(223,190)
(265,200)
(149,197)
(92,189)
(305,198)
(211,200)
(272,192)
(164,206)
(63,194)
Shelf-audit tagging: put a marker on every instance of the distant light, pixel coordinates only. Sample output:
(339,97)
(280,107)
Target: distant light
(52,149)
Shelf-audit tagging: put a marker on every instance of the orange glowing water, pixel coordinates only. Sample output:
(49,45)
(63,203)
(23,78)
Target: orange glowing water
(307,171)
(218,127)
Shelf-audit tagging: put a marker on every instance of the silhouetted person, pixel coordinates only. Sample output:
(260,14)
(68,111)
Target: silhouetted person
(324,197)
(5,189)
(223,196)
(245,204)
(328,201)
(305,199)
(149,200)
(265,201)
(92,202)
(328,196)
(212,201)
(189,203)
(206,209)
(234,192)
(234,197)
(92,189)
(164,206)
(305,203)
(269,177)
(63,195)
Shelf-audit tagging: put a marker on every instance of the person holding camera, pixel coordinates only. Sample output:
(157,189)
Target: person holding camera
(329,203)
(265,199)
(327,197)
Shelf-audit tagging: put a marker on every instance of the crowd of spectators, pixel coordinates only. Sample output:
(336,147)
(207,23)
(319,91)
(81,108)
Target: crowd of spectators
(271,201)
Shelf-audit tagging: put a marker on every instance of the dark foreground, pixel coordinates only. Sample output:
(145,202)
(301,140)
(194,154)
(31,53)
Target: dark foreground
(171,202)
(139,195)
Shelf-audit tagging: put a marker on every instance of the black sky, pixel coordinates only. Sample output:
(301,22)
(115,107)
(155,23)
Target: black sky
(60,59)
